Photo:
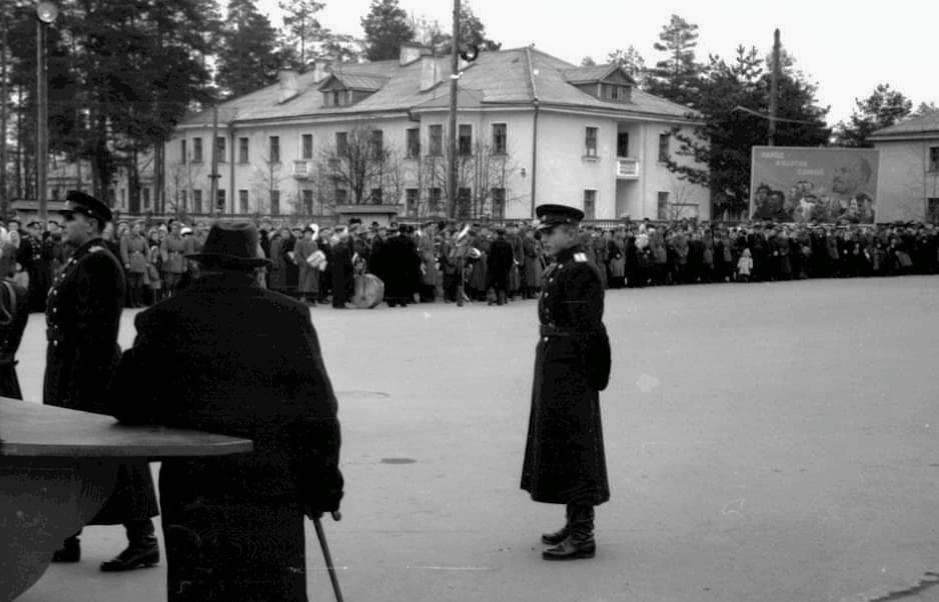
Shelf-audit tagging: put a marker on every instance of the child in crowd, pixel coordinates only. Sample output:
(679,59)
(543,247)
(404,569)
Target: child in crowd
(744,266)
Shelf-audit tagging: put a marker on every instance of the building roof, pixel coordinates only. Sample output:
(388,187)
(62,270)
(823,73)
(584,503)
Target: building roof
(913,127)
(503,77)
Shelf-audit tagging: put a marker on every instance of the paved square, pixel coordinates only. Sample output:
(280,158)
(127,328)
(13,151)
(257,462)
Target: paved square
(771,442)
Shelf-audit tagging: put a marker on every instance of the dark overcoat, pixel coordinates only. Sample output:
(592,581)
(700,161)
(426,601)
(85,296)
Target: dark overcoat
(242,361)
(564,455)
(83,316)
(499,264)
(13,318)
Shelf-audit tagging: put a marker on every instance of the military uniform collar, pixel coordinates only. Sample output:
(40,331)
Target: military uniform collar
(568,253)
(85,247)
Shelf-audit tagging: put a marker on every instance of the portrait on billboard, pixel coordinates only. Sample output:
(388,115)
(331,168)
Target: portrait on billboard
(794,184)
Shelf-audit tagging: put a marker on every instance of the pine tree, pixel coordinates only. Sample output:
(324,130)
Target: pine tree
(883,108)
(248,59)
(675,77)
(302,27)
(386,29)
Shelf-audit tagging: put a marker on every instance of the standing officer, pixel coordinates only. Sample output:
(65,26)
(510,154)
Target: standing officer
(83,315)
(564,458)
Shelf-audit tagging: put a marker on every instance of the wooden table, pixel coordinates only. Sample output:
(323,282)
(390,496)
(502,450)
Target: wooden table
(57,468)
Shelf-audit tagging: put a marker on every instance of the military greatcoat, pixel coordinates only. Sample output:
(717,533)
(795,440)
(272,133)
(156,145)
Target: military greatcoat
(564,455)
(83,315)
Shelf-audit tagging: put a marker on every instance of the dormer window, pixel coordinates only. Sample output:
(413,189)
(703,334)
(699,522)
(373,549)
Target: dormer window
(336,98)
(608,83)
(615,92)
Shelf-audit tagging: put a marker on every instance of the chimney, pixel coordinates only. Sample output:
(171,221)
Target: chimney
(409,54)
(288,84)
(320,70)
(430,73)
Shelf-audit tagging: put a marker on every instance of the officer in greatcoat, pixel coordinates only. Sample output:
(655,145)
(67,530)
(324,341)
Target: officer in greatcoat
(564,456)
(83,315)
(233,525)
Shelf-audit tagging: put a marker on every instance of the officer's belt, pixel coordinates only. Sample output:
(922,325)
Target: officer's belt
(550,330)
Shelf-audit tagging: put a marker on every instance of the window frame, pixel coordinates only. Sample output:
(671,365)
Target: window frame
(590,195)
(664,147)
(464,141)
(306,150)
(500,142)
(435,140)
(273,149)
(591,142)
(197,149)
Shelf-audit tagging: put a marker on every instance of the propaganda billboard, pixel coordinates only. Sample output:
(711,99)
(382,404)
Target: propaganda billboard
(796,184)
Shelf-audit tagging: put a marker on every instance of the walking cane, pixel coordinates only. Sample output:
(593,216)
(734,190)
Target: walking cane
(321,535)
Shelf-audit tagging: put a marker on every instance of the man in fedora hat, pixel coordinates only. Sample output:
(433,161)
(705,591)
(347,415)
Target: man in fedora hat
(564,457)
(83,315)
(244,361)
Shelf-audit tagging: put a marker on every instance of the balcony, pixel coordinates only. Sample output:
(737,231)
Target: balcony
(303,169)
(627,168)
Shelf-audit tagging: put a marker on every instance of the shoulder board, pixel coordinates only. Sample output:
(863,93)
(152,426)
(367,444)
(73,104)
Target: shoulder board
(580,257)
(95,249)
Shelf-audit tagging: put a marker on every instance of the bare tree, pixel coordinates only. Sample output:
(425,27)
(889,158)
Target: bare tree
(481,171)
(267,179)
(364,167)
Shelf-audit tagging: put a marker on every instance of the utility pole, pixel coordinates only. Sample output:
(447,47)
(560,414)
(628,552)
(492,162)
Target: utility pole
(214,175)
(454,76)
(46,13)
(452,167)
(774,91)
(3,116)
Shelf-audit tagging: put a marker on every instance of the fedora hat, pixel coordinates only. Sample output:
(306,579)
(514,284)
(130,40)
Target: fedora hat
(233,245)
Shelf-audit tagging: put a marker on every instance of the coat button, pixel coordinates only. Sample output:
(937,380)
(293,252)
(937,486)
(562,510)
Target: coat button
(545,339)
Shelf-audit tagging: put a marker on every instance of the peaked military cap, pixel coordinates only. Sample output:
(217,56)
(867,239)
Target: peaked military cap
(556,215)
(80,202)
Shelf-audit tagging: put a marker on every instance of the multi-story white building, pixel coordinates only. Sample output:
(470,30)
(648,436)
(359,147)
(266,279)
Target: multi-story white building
(531,129)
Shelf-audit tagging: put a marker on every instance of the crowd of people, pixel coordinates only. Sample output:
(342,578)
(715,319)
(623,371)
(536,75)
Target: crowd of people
(499,262)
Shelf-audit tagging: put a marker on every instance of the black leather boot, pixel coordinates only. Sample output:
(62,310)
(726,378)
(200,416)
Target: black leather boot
(553,539)
(580,542)
(71,551)
(142,550)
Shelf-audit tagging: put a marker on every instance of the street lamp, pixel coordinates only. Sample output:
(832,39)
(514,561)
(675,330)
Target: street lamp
(46,13)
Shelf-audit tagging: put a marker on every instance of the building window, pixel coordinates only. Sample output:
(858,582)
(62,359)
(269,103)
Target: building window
(622,144)
(220,201)
(413,136)
(243,200)
(376,140)
(342,196)
(410,202)
(464,199)
(932,210)
(183,200)
(242,150)
(499,141)
(436,140)
(376,196)
(663,147)
(197,201)
(590,142)
(465,140)
(934,158)
(306,146)
(274,149)
(590,204)
(220,149)
(498,203)
(275,202)
(342,144)
(197,150)
(663,204)
(182,150)
(433,200)
(308,202)
(146,197)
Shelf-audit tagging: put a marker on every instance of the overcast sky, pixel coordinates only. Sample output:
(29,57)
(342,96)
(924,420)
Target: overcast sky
(846,47)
